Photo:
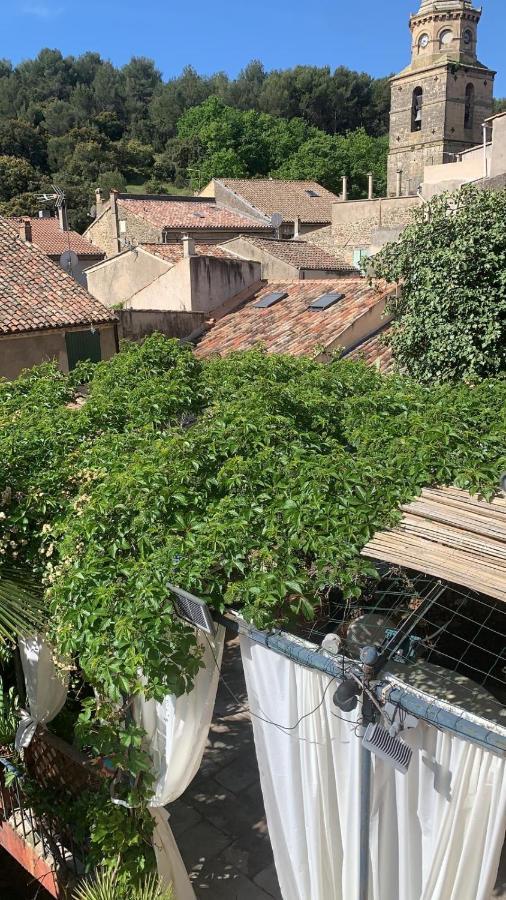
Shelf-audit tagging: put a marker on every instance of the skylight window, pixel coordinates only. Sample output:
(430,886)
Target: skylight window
(270,300)
(326,300)
(311,193)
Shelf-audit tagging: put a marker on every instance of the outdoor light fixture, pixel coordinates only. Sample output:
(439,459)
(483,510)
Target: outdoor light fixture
(192,609)
(346,696)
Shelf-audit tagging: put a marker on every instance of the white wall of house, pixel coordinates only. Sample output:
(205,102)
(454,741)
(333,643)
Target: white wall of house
(197,284)
(120,277)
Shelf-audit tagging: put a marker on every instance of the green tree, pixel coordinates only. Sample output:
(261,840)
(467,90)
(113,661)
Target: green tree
(18,138)
(221,164)
(17,176)
(323,158)
(113,180)
(450,314)
(172,99)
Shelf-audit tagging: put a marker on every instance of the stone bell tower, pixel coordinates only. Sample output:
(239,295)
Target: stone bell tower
(441,99)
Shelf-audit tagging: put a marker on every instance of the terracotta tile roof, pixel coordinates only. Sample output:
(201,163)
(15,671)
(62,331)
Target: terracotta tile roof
(290,198)
(374,352)
(289,326)
(190,215)
(48,236)
(35,293)
(299,253)
(174,252)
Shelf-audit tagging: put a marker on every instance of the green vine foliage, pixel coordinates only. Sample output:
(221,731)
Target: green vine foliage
(450,316)
(253,480)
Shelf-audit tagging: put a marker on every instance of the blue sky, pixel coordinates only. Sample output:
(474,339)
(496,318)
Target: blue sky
(212,35)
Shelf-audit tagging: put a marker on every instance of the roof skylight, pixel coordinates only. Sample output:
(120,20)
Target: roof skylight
(270,299)
(326,300)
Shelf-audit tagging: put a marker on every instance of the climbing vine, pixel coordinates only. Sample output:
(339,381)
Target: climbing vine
(450,315)
(252,481)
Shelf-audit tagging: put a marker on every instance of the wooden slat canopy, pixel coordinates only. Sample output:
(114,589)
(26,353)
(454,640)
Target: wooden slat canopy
(449,534)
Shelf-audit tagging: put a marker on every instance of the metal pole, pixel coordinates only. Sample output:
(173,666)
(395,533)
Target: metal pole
(365,817)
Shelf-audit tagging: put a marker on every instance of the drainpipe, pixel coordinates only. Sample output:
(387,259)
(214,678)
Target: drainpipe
(114,220)
(344,195)
(398,190)
(485,165)
(370,186)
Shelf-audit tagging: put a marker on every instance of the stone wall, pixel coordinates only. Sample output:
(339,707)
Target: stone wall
(101,235)
(136,324)
(355,222)
(443,134)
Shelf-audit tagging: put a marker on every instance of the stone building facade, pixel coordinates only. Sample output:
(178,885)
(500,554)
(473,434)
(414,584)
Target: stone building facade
(441,99)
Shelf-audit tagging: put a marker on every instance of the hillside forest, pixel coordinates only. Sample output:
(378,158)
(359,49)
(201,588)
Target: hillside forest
(80,122)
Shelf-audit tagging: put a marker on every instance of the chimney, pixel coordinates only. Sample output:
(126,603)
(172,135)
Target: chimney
(296,228)
(113,198)
(344,196)
(370,186)
(188,246)
(25,231)
(398,189)
(62,217)
(99,203)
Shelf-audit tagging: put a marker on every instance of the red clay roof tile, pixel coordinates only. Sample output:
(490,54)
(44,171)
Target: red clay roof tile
(293,199)
(374,352)
(48,236)
(299,253)
(290,326)
(190,215)
(35,293)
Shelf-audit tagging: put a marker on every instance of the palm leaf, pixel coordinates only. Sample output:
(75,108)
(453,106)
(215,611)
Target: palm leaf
(104,886)
(21,606)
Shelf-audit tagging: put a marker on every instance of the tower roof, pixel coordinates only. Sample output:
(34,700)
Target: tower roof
(437,5)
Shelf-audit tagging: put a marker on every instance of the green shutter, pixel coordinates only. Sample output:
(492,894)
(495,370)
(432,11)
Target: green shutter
(82,345)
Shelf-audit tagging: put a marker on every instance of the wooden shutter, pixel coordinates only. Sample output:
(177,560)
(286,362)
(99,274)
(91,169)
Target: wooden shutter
(82,345)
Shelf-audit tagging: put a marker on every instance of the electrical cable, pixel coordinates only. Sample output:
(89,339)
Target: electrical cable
(283,728)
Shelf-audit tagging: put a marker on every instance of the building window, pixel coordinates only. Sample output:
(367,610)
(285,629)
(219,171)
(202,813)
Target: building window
(469,107)
(445,38)
(416,109)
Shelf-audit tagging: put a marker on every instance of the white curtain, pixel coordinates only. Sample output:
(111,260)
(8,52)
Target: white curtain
(435,833)
(46,687)
(177,731)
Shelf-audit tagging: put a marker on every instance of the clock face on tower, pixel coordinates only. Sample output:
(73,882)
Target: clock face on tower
(424,40)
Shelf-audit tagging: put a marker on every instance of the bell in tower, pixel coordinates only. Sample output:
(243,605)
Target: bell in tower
(440,100)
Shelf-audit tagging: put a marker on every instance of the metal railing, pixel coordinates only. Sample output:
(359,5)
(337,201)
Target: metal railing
(49,838)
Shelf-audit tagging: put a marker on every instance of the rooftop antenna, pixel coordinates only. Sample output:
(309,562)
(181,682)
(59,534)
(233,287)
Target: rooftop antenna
(59,200)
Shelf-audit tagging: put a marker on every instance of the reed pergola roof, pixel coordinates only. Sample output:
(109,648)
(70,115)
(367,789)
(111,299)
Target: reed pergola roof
(449,534)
